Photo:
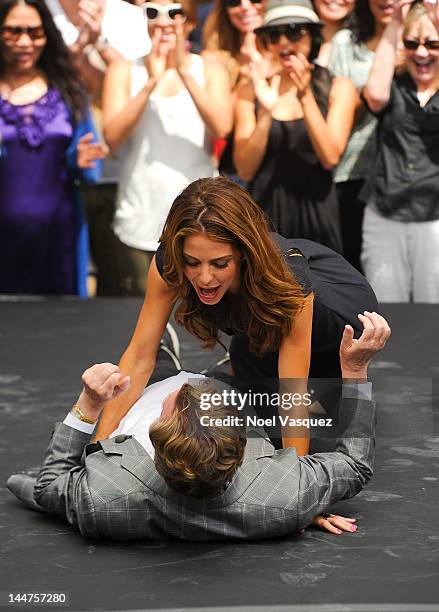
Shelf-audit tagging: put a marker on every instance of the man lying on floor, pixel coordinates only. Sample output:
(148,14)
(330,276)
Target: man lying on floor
(193,481)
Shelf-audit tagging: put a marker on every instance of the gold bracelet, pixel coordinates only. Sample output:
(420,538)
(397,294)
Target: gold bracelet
(78,413)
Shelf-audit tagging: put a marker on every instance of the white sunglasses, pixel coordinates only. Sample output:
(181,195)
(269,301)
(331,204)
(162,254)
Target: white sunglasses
(170,11)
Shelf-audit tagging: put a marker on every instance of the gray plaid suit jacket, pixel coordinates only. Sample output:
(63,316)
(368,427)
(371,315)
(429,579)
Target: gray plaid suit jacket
(112,489)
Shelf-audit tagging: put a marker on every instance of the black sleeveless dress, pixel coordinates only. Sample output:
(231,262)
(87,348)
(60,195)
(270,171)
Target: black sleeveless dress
(340,294)
(294,190)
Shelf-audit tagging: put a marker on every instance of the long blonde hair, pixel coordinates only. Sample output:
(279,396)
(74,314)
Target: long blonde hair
(269,294)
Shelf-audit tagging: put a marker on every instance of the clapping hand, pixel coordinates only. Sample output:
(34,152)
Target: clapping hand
(433,11)
(402,7)
(156,60)
(182,57)
(88,152)
(266,92)
(249,49)
(300,71)
(91,13)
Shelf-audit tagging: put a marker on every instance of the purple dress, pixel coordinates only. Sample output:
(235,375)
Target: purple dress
(40,216)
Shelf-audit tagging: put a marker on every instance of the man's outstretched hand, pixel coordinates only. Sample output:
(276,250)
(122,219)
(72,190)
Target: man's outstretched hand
(355,355)
(102,383)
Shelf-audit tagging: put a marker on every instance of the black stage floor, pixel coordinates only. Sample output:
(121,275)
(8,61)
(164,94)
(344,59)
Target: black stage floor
(392,563)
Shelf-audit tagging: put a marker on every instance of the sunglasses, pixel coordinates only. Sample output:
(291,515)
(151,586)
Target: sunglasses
(235,3)
(11,34)
(272,34)
(170,11)
(412,45)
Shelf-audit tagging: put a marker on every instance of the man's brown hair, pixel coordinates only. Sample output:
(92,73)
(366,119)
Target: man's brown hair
(196,459)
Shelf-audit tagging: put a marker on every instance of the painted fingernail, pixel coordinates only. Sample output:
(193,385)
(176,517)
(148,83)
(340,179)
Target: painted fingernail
(354,528)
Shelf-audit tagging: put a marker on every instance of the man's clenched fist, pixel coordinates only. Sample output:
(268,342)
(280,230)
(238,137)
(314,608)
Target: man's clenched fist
(102,383)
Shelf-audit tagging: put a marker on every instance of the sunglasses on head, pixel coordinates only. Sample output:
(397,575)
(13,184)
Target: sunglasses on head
(169,11)
(10,34)
(235,3)
(412,45)
(272,34)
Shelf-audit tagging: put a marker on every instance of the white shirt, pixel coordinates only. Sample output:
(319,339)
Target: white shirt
(143,413)
(123,25)
(168,150)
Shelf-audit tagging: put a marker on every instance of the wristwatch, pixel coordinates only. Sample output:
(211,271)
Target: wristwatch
(77,412)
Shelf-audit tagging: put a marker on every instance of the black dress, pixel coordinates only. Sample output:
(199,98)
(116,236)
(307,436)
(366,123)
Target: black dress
(340,294)
(293,188)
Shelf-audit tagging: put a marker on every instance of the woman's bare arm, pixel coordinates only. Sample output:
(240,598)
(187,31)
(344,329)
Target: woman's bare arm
(379,84)
(139,359)
(329,136)
(121,112)
(251,133)
(214,102)
(293,367)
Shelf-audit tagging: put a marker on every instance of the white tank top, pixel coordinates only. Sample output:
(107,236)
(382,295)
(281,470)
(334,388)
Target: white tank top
(166,152)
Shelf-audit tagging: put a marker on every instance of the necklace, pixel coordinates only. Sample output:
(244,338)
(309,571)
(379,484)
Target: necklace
(26,93)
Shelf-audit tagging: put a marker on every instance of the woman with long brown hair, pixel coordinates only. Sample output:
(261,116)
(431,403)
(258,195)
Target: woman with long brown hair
(229,37)
(286,302)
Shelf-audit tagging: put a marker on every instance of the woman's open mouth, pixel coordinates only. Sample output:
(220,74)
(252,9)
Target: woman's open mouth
(208,294)
(424,66)
(285,57)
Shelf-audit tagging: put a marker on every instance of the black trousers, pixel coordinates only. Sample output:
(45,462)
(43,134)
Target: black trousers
(351,219)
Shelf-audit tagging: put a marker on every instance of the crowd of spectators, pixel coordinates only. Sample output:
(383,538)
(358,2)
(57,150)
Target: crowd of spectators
(327,112)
